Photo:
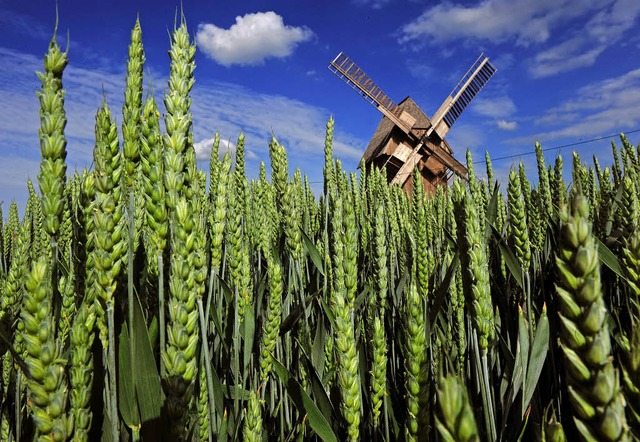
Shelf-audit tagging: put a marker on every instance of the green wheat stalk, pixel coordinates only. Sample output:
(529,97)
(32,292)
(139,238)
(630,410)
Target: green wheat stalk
(185,287)
(47,383)
(81,372)
(592,381)
(455,421)
(52,176)
(344,333)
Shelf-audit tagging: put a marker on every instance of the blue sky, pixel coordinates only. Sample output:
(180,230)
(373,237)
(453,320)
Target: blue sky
(568,71)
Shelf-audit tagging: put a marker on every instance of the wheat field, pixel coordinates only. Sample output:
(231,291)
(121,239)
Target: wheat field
(141,301)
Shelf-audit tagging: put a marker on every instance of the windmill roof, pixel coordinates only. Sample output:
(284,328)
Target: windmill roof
(386,126)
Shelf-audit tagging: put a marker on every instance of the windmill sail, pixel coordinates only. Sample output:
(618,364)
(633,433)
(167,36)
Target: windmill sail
(467,88)
(421,144)
(348,71)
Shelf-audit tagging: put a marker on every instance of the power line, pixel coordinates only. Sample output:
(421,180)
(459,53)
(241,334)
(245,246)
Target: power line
(506,157)
(522,154)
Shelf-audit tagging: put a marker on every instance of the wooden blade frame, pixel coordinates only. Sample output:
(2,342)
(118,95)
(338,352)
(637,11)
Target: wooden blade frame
(467,88)
(440,154)
(348,71)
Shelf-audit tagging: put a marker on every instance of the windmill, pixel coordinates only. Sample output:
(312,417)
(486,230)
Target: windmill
(406,137)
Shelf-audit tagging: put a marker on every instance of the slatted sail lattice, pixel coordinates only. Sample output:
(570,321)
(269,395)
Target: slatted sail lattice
(465,91)
(348,71)
(422,143)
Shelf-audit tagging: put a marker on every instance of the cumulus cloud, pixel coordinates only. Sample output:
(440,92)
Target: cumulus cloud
(203,148)
(507,125)
(251,40)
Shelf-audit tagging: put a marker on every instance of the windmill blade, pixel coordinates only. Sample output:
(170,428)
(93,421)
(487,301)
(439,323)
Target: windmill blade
(348,71)
(467,88)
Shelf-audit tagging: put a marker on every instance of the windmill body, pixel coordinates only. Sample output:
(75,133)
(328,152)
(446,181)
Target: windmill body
(391,148)
(406,137)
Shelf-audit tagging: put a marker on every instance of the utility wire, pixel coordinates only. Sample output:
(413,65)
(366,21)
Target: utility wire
(577,143)
(522,154)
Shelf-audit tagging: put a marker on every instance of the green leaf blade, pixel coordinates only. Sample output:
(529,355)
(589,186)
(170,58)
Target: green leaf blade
(305,404)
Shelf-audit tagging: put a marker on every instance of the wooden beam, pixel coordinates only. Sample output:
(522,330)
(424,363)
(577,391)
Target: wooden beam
(437,152)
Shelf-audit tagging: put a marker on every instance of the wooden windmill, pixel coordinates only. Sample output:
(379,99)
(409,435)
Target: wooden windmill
(406,137)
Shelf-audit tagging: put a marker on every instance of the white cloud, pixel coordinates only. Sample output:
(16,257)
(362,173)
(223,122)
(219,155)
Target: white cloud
(203,149)
(495,107)
(603,94)
(466,136)
(505,61)
(566,56)
(83,96)
(524,21)
(582,48)
(507,125)
(579,30)
(251,40)
(25,24)
(611,22)
(228,108)
(597,109)
(13,180)
(232,109)
(420,70)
